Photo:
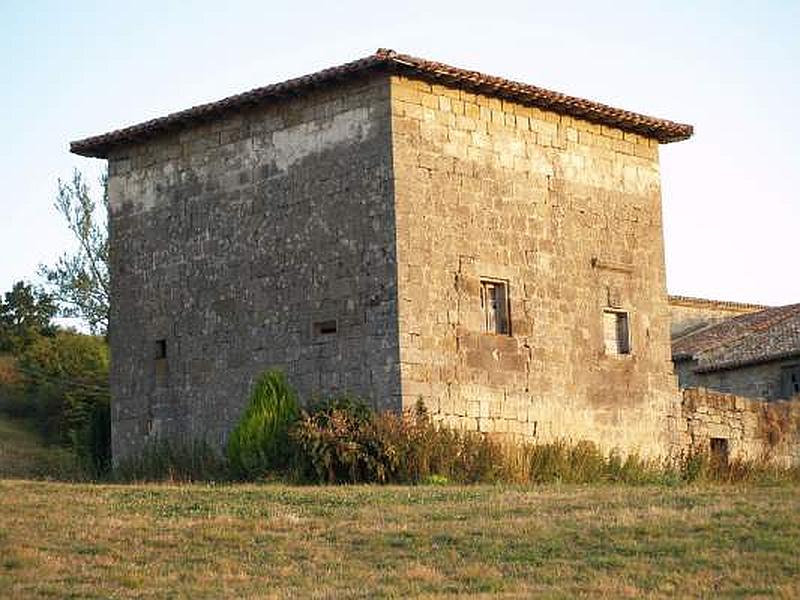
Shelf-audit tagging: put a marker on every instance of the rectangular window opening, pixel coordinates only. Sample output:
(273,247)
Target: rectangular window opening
(161,372)
(495,306)
(790,381)
(323,328)
(616,332)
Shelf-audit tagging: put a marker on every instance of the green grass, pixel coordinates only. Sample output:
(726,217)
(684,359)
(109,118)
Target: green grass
(152,541)
(23,455)
(79,540)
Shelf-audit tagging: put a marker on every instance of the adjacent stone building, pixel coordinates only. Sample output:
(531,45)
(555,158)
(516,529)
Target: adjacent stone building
(398,229)
(756,355)
(688,315)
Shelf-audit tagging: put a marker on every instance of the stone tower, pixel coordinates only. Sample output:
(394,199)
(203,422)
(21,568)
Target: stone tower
(397,229)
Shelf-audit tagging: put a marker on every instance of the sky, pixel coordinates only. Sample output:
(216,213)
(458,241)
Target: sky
(732,69)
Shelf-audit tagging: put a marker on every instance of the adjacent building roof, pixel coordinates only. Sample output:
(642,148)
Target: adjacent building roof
(769,334)
(693,302)
(390,61)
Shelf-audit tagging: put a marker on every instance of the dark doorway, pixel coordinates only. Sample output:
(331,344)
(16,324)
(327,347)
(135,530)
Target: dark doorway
(719,452)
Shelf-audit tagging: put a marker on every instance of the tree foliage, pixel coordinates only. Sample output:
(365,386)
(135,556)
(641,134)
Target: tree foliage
(79,281)
(25,314)
(66,378)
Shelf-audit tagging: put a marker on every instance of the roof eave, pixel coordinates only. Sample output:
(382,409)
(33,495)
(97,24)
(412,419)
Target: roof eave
(661,130)
(747,362)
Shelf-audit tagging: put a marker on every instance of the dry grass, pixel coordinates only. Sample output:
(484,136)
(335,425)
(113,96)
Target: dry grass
(92,541)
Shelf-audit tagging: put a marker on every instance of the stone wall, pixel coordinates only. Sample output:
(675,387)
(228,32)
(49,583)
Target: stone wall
(690,314)
(242,244)
(569,214)
(754,429)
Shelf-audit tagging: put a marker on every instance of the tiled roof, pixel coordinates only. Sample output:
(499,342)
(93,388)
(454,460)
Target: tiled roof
(745,339)
(390,61)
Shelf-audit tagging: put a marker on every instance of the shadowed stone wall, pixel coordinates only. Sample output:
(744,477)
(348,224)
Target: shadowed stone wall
(759,380)
(569,214)
(241,244)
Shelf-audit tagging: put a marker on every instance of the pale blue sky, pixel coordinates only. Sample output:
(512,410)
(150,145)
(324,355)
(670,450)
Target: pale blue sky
(73,69)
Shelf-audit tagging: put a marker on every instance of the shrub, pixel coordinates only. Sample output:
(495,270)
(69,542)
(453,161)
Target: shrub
(14,402)
(66,375)
(335,443)
(342,441)
(92,442)
(260,443)
(60,383)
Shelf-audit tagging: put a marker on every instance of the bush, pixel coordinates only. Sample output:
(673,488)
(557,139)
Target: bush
(260,443)
(92,442)
(335,444)
(14,401)
(60,383)
(66,376)
(342,441)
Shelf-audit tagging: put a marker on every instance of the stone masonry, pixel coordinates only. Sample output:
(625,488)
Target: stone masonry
(347,227)
(751,429)
(569,213)
(233,243)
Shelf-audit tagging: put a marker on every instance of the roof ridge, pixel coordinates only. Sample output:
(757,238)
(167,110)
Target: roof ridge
(721,303)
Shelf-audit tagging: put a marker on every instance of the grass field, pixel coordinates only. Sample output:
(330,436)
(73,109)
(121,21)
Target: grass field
(97,541)
(79,540)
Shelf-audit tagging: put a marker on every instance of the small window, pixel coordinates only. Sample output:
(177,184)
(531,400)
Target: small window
(616,334)
(494,306)
(323,328)
(790,381)
(161,372)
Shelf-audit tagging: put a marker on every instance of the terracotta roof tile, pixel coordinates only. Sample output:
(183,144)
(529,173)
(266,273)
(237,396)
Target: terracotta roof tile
(389,61)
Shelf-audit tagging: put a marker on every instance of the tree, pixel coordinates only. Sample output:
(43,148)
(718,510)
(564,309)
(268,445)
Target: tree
(66,379)
(26,313)
(79,281)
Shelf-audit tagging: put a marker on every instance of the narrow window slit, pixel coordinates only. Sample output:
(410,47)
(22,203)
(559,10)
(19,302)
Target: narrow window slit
(161,370)
(322,328)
